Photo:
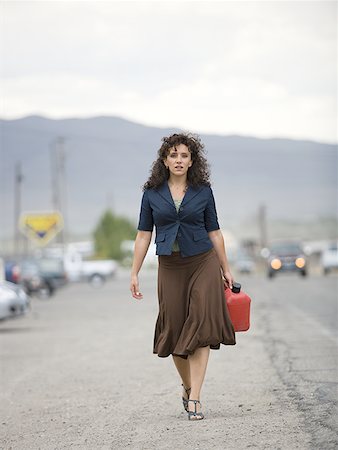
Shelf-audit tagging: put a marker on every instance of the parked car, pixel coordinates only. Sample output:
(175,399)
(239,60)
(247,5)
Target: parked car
(12,271)
(329,258)
(42,276)
(286,256)
(13,300)
(244,263)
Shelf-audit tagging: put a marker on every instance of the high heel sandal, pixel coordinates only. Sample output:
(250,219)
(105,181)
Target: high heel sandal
(196,415)
(185,400)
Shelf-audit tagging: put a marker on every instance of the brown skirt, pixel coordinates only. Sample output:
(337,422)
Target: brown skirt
(192,307)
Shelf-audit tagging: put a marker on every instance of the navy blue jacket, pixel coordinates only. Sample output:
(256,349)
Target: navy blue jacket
(196,217)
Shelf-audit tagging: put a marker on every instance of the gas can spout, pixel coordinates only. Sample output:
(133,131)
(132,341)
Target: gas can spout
(236,287)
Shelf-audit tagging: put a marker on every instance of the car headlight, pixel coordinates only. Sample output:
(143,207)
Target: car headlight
(300,262)
(276,263)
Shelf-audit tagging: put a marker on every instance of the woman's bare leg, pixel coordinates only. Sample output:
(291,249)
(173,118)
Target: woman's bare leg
(198,362)
(183,368)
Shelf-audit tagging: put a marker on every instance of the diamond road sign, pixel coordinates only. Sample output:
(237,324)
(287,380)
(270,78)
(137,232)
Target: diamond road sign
(41,227)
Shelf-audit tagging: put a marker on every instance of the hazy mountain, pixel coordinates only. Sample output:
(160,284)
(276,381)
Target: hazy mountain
(108,159)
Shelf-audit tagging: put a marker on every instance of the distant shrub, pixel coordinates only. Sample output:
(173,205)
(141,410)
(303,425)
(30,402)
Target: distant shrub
(110,232)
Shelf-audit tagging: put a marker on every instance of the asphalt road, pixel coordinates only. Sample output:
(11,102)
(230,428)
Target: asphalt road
(78,372)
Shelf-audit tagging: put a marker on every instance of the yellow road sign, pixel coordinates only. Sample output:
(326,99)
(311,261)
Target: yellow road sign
(41,227)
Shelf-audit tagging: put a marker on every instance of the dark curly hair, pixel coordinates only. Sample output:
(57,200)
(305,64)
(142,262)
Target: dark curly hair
(198,174)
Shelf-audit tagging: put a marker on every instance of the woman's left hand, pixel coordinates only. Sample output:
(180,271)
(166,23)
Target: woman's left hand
(228,279)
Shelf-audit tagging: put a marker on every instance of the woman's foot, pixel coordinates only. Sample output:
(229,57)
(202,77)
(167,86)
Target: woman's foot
(185,397)
(194,410)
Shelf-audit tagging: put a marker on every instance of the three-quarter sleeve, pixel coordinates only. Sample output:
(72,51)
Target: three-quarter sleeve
(210,214)
(146,222)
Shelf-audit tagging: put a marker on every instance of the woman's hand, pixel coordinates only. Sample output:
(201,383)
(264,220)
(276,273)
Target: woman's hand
(228,279)
(134,288)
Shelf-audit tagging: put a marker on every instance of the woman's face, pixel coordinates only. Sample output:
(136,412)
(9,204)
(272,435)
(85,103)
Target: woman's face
(178,160)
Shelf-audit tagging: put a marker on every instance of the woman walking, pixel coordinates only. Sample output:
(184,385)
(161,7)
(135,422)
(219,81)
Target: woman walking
(192,264)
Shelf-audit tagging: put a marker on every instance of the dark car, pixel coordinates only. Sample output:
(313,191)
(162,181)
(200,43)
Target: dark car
(286,256)
(42,276)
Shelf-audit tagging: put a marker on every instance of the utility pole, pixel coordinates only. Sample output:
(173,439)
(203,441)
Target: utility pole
(59,185)
(262,225)
(53,173)
(18,178)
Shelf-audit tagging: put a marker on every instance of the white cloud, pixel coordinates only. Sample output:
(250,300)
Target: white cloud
(262,68)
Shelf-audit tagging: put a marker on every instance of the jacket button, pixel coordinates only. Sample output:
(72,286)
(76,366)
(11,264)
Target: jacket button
(181,208)
(179,235)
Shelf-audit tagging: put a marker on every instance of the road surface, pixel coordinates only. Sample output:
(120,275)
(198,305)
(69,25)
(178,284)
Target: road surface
(77,372)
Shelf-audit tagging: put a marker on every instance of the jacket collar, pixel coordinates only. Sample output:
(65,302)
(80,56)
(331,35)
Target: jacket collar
(164,191)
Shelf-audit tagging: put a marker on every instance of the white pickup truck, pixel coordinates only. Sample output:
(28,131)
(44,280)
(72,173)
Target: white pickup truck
(96,272)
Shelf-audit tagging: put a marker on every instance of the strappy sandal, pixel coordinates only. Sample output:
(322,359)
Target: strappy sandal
(196,415)
(185,400)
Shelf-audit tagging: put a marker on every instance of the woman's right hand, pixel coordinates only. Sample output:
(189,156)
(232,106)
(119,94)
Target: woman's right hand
(134,288)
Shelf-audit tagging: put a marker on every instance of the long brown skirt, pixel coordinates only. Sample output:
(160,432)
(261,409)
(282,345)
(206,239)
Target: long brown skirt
(192,307)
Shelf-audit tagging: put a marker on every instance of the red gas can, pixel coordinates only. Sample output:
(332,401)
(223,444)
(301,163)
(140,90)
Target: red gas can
(239,307)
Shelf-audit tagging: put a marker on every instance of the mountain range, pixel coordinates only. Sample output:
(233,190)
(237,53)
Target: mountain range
(107,160)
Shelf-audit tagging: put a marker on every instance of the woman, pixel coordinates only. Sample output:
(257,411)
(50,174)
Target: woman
(192,263)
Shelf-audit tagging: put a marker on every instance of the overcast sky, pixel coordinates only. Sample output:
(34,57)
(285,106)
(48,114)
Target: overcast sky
(266,69)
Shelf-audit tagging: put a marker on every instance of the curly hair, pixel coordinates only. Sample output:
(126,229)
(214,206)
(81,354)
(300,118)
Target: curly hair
(198,174)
